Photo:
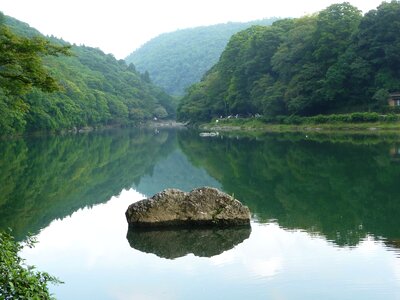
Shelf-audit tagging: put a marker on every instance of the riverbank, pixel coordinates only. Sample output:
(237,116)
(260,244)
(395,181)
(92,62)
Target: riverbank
(257,124)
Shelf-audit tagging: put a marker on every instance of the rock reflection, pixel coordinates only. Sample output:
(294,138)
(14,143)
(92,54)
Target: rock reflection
(178,242)
(394,245)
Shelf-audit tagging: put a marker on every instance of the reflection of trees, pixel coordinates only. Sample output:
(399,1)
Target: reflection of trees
(174,172)
(342,190)
(51,177)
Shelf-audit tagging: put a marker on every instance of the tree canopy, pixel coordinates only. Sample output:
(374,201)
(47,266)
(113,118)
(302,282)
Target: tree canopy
(335,61)
(178,59)
(88,87)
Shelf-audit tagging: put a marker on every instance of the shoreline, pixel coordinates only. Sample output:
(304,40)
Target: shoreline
(251,125)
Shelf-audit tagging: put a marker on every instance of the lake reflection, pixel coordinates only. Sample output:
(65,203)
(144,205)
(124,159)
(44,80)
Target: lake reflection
(178,242)
(324,215)
(344,187)
(89,251)
(47,178)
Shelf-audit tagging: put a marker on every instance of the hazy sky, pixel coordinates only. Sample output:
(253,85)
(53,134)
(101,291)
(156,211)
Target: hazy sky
(120,26)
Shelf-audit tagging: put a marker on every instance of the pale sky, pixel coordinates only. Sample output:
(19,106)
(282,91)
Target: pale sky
(121,26)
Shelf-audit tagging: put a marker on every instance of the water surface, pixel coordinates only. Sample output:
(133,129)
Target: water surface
(324,214)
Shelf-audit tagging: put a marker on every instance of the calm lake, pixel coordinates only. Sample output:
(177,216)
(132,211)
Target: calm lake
(325,214)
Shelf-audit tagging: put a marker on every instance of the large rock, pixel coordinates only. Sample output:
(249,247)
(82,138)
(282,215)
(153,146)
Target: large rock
(202,206)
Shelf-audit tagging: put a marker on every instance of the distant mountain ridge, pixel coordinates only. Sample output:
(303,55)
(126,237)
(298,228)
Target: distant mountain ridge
(178,59)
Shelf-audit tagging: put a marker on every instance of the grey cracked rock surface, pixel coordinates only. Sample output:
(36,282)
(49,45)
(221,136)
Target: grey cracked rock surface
(201,207)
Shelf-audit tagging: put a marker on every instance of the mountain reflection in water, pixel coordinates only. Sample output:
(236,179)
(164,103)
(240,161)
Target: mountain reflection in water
(339,186)
(325,214)
(344,188)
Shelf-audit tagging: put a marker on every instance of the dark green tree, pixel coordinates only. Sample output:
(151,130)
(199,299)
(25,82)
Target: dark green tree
(21,69)
(52,92)
(21,62)
(18,281)
(378,45)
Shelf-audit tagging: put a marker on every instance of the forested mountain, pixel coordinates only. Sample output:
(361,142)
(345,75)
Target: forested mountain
(178,59)
(88,87)
(335,61)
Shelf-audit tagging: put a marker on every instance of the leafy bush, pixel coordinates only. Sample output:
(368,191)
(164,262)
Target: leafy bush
(296,120)
(390,118)
(17,280)
(357,117)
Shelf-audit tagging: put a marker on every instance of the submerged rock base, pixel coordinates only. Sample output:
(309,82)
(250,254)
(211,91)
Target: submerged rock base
(201,207)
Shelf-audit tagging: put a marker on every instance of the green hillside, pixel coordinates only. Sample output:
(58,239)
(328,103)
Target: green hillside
(335,61)
(178,59)
(89,88)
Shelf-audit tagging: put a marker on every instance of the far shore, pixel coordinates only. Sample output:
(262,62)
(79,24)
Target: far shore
(251,125)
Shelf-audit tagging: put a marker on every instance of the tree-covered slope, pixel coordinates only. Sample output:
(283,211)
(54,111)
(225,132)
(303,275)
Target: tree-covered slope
(178,59)
(92,88)
(335,61)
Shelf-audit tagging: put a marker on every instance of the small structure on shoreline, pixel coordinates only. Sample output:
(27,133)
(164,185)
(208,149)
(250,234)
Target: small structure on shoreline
(201,207)
(394,99)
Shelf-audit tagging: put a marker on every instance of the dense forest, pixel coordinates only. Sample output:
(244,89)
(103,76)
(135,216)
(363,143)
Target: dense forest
(335,61)
(178,59)
(48,84)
